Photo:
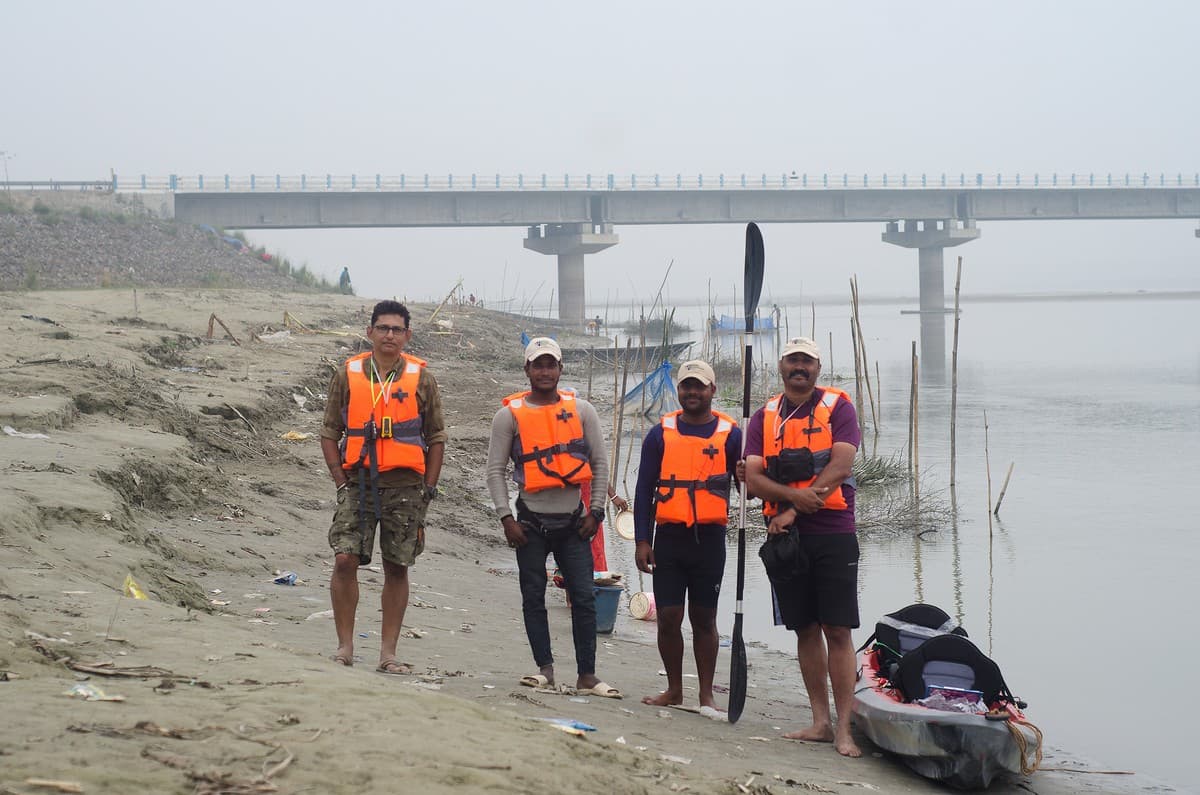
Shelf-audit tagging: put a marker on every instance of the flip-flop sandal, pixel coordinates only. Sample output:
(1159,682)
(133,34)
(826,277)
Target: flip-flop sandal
(341,659)
(536,680)
(603,690)
(393,668)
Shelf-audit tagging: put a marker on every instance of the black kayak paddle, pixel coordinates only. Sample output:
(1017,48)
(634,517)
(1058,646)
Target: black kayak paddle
(755,259)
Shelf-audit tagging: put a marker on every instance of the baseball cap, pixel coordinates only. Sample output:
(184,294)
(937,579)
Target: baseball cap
(696,369)
(801,345)
(539,346)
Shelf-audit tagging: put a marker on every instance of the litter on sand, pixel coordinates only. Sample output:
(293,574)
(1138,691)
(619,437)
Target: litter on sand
(131,588)
(11,431)
(295,436)
(89,692)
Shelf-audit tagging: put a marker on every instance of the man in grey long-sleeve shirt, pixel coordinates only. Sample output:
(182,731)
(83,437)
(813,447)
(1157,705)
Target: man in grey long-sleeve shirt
(555,443)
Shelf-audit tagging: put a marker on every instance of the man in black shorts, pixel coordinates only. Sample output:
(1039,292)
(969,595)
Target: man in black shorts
(799,450)
(683,486)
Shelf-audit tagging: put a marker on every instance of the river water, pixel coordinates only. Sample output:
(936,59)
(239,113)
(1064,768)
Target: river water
(1082,588)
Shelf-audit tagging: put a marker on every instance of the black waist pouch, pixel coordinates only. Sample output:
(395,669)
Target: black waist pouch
(552,525)
(791,465)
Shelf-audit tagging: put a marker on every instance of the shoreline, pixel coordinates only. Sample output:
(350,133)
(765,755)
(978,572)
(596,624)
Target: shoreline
(177,440)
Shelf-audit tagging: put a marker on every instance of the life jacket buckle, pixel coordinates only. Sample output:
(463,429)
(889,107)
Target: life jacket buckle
(386,431)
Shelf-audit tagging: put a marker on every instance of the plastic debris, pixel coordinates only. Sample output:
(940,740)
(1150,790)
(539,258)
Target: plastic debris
(131,588)
(11,431)
(295,436)
(286,578)
(89,692)
(319,614)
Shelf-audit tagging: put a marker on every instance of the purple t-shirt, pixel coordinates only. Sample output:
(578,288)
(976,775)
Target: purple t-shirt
(844,426)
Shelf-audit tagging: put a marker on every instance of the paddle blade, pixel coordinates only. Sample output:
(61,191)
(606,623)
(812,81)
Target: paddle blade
(755,261)
(737,672)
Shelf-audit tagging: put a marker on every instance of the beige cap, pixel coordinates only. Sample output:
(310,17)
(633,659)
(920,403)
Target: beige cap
(540,346)
(801,345)
(696,369)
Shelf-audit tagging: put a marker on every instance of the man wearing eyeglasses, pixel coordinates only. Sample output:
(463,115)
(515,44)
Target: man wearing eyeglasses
(799,451)
(383,438)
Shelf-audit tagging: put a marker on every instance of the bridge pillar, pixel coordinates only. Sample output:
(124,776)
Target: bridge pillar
(570,242)
(930,238)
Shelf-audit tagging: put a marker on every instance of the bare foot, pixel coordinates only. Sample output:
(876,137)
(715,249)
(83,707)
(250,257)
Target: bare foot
(813,734)
(847,747)
(663,699)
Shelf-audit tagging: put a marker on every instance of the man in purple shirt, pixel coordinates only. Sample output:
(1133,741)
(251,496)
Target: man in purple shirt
(799,451)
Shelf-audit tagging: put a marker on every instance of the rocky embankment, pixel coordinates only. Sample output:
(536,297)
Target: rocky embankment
(51,240)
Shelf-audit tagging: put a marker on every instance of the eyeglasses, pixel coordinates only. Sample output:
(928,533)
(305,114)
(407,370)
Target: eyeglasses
(385,330)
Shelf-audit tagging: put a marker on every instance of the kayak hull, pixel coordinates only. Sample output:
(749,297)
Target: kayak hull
(962,750)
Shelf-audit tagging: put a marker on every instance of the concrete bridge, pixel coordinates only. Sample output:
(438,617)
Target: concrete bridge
(573,216)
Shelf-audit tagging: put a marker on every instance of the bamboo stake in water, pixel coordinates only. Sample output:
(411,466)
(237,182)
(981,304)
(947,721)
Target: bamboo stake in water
(1004,488)
(987,464)
(913,444)
(879,389)
(861,344)
(858,385)
(954,374)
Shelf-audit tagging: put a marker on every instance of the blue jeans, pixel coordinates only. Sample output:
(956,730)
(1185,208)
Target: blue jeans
(574,558)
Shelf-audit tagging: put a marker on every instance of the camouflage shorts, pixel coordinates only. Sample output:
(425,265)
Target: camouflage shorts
(401,528)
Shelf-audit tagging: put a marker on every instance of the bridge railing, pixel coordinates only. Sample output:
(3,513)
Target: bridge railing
(184,183)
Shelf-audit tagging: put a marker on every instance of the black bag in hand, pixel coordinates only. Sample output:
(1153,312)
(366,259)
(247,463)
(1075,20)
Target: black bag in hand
(783,558)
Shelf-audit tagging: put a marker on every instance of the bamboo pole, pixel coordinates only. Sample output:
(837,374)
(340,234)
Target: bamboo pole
(591,364)
(954,376)
(858,386)
(862,344)
(879,389)
(830,349)
(913,444)
(450,294)
(988,470)
(1004,488)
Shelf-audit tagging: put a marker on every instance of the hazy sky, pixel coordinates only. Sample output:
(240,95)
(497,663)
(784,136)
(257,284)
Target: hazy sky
(304,87)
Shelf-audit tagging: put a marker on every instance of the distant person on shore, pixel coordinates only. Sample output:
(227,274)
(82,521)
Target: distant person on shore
(383,438)
(799,450)
(683,487)
(344,286)
(555,443)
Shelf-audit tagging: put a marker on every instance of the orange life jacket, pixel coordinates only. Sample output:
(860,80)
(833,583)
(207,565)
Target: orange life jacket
(549,450)
(813,432)
(693,480)
(382,421)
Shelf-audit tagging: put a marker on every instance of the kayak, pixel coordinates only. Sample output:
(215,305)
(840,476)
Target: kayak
(967,750)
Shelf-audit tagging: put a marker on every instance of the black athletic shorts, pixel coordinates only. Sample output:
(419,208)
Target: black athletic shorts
(690,561)
(828,594)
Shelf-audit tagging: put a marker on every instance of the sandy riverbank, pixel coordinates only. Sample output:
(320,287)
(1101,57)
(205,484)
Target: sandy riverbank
(165,460)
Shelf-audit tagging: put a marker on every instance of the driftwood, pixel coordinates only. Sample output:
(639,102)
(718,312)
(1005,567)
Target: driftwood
(213,318)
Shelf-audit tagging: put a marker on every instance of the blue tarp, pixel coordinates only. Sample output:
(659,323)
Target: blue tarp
(661,397)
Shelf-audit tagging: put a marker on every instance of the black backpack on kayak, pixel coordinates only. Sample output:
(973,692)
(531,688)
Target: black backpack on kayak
(950,661)
(898,633)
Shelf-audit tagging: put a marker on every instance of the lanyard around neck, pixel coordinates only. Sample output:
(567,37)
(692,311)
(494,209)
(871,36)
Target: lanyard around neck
(384,385)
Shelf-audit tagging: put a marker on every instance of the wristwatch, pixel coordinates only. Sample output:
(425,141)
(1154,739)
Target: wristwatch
(598,515)
(430,492)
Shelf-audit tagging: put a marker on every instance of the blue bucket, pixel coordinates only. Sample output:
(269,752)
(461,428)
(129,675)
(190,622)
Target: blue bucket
(608,597)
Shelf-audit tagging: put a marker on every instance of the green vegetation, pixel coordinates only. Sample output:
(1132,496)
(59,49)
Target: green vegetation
(7,206)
